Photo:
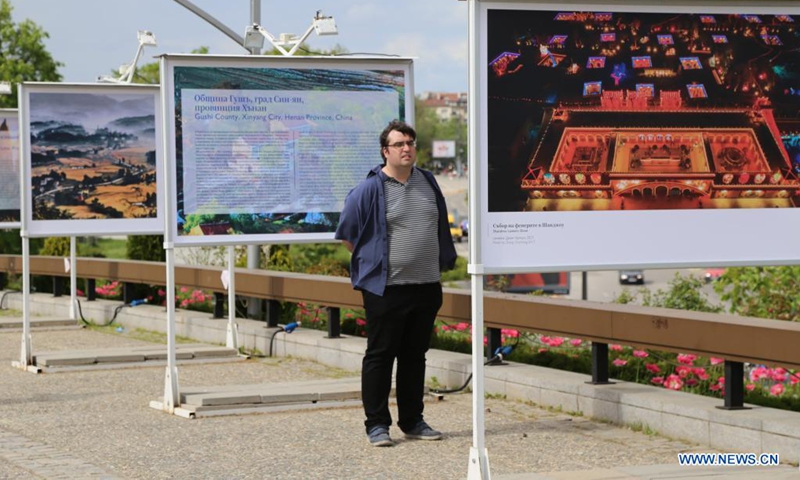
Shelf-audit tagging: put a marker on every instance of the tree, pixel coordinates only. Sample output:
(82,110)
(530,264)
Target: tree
(430,128)
(764,292)
(23,56)
(305,51)
(150,73)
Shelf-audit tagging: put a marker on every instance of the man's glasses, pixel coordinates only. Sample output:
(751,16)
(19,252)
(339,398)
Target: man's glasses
(409,144)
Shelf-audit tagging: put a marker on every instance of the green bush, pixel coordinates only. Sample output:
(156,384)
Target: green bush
(146,247)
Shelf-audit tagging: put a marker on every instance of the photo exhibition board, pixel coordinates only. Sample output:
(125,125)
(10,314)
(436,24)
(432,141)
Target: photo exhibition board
(91,157)
(265,149)
(9,169)
(630,135)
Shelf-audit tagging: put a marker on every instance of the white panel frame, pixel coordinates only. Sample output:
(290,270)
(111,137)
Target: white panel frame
(658,232)
(13,115)
(169,62)
(88,227)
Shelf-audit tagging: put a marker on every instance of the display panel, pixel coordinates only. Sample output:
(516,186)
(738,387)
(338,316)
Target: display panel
(9,169)
(266,149)
(91,158)
(679,149)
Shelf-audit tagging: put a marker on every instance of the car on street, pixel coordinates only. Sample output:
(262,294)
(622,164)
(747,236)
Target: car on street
(627,277)
(713,274)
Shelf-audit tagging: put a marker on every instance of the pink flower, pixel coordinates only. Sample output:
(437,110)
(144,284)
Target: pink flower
(657,380)
(794,379)
(445,328)
(714,388)
(673,382)
(619,362)
(778,375)
(542,350)
(461,326)
(185,303)
(691,382)
(545,339)
(507,332)
(750,387)
(162,293)
(652,367)
(640,354)
(556,341)
(758,373)
(777,390)
(576,342)
(361,322)
(184,289)
(716,361)
(683,371)
(616,348)
(686,359)
(700,373)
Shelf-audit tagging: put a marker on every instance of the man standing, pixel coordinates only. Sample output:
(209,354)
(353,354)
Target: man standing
(395,224)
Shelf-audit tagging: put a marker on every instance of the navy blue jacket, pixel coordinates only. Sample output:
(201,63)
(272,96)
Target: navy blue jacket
(363,223)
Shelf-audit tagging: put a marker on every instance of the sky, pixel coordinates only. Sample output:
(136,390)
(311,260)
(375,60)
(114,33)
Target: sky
(93,37)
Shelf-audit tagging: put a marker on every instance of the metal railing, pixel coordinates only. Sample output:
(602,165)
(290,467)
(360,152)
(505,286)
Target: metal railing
(736,339)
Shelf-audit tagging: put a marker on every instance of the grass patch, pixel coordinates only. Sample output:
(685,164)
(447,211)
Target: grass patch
(643,428)
(138,334)
(10,313)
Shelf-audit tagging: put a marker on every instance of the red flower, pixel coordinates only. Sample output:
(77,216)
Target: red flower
(686,359)
(360,322)
(657,380)
(673,382)
(777,390)
(652,367)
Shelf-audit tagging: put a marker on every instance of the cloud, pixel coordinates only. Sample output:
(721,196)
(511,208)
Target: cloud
(363,12)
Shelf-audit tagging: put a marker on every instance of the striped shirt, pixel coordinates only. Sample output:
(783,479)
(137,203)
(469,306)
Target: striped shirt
(411,219)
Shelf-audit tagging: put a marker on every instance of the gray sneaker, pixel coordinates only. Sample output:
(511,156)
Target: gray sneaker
(378,436)
(423,431)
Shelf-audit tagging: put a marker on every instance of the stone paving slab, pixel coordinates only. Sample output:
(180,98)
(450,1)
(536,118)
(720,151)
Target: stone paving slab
(44,461)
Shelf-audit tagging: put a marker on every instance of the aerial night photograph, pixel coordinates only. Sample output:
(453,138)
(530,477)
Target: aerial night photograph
(642,111)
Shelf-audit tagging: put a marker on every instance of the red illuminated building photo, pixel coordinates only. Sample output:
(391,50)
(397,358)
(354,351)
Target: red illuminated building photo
(672,111)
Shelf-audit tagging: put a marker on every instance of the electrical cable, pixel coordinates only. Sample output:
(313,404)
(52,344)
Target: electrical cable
(3,299)
(499,354)
(116,311)
(288,328)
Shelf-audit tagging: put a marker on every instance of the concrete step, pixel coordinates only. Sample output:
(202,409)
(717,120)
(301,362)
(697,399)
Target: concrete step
(138,354)
(272,393)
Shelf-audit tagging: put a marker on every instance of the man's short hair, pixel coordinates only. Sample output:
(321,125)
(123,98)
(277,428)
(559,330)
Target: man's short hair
(395,126)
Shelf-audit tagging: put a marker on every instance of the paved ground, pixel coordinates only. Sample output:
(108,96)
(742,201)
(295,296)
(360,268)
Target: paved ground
(98,424)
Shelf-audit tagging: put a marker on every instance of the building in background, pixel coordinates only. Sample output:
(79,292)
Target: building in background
(447,106)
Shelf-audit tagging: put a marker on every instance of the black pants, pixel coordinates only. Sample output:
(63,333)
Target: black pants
(399,325)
